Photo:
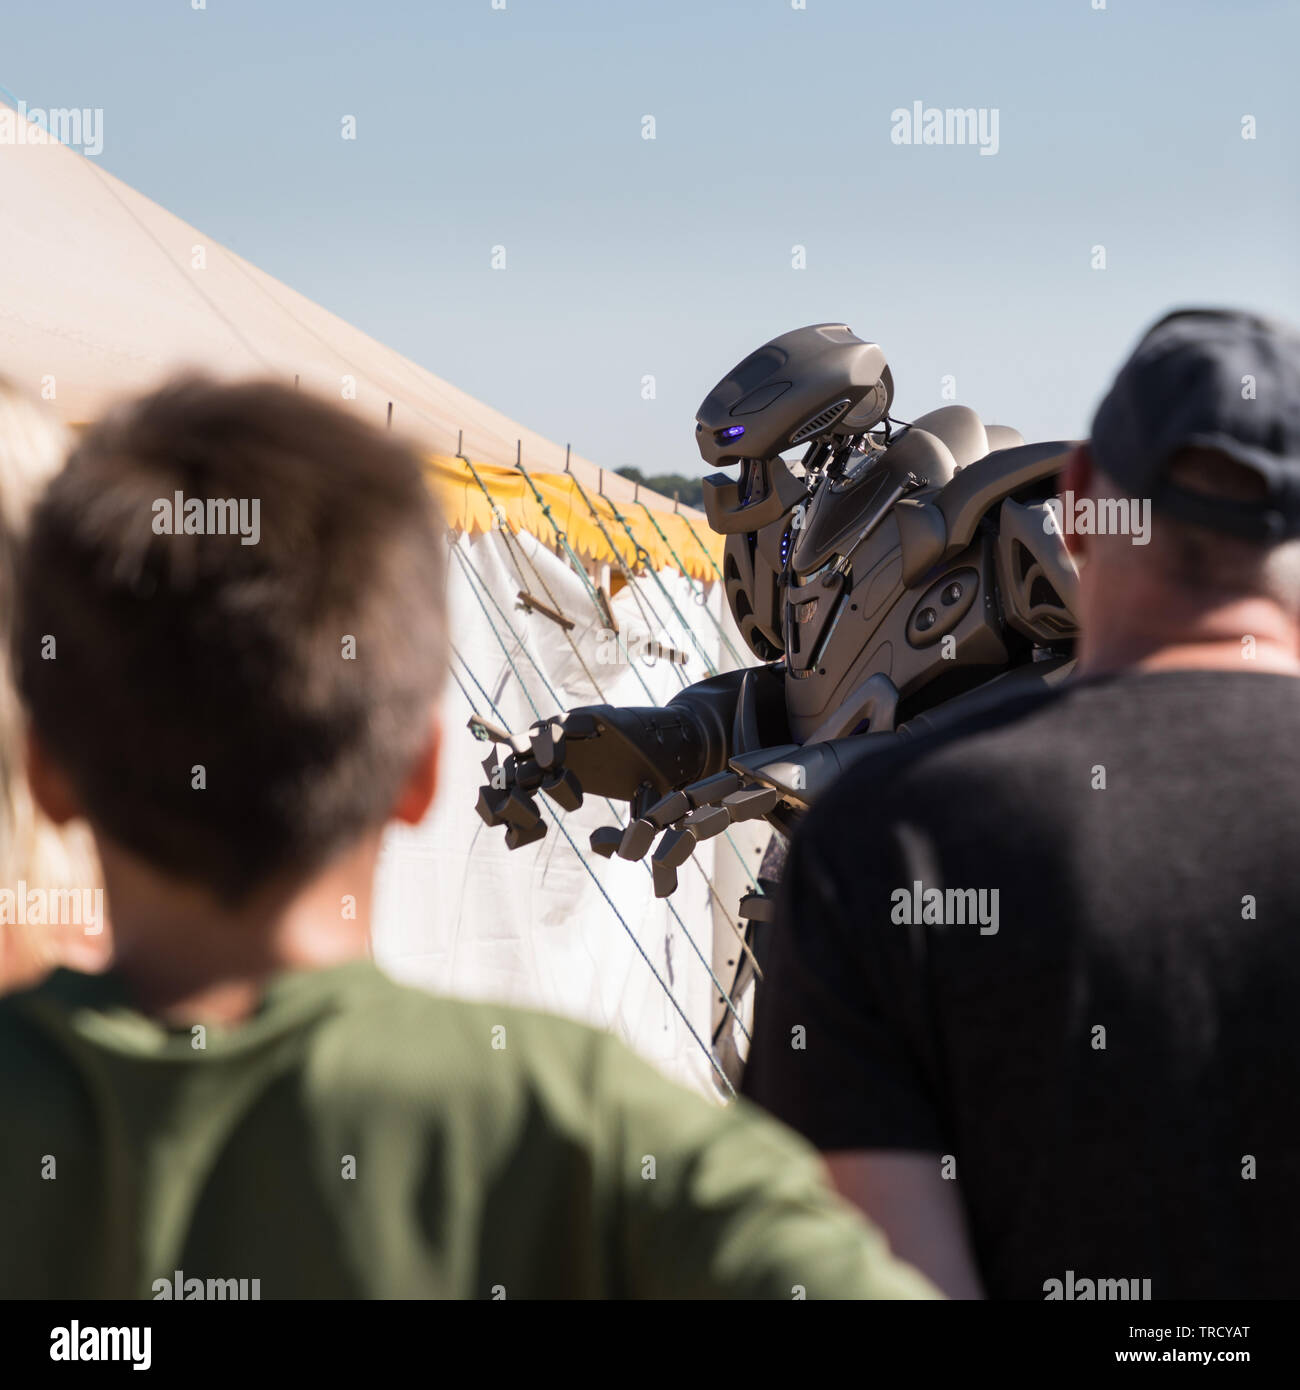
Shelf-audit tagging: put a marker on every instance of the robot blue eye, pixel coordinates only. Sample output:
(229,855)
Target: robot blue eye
(731,432)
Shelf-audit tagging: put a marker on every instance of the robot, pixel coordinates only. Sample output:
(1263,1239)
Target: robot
(898,577)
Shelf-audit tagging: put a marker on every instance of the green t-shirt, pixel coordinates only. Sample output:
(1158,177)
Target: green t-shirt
(356,1138)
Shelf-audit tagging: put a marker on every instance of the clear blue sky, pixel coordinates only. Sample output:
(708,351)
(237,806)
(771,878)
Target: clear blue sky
(672,257)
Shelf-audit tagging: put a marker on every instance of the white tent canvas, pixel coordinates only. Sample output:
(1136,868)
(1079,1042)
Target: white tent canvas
(546,925)
(104,292)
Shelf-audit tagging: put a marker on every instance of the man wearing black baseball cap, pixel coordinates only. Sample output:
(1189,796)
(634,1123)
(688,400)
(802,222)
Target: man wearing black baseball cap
(1096,1097)
(1217,380)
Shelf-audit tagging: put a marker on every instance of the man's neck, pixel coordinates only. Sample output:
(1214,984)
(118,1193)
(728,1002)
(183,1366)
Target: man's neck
(1113,657)
(185,958)
(1251,635)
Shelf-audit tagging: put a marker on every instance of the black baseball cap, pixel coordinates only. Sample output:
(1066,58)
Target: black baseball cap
(1208,379)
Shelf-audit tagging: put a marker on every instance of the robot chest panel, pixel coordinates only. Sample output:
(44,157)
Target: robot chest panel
(835,518)
(830,617)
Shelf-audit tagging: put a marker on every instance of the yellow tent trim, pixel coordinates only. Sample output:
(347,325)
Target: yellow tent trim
(467,510)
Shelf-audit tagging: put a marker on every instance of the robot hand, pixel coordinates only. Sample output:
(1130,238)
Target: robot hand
(535,760)
(694,813)
(621,752)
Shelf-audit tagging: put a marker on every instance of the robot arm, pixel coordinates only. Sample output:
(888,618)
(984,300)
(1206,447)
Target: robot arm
(636,754)
(791,776)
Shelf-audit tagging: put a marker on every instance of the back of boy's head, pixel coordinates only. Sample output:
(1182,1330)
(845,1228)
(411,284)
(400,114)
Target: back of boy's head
(237,688)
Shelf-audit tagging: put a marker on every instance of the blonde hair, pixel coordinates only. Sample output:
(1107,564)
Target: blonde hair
(32,448)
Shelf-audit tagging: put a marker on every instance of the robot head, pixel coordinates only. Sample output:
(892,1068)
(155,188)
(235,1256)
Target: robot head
(804,387)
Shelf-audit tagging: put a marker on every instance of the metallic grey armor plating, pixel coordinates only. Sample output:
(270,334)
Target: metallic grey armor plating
(895,579)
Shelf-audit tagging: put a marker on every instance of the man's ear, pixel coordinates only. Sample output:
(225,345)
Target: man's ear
(52,790)
(1077,478)
(421,785)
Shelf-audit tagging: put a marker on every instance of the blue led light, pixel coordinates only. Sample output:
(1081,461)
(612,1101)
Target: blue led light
(731,432)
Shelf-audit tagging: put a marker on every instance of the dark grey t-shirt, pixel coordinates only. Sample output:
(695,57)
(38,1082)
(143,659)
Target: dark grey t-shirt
(1108,1050)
